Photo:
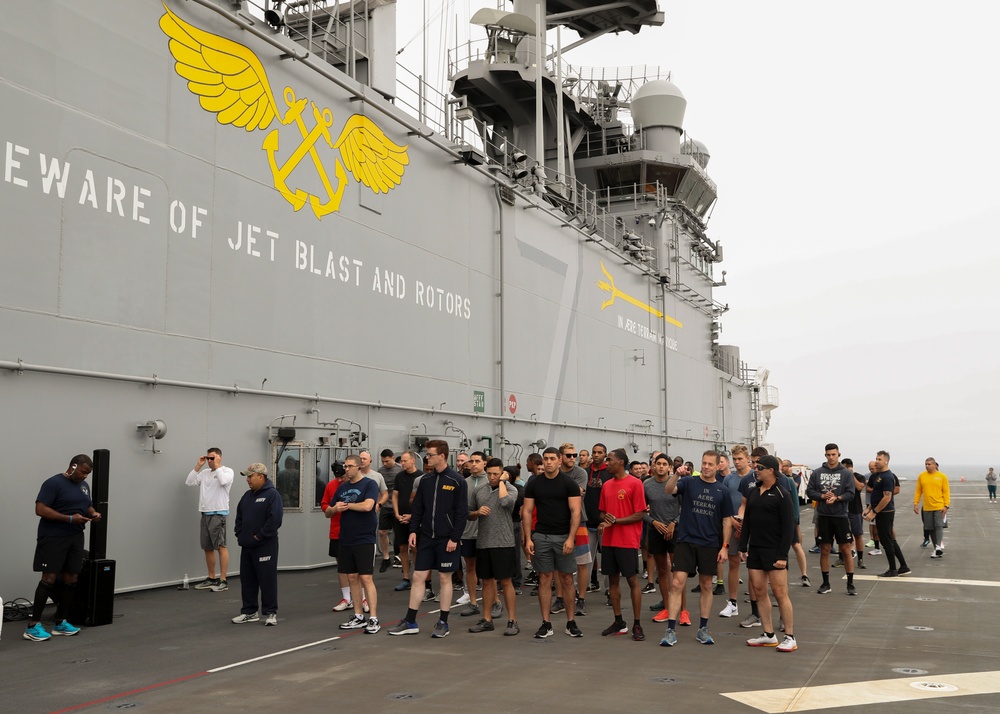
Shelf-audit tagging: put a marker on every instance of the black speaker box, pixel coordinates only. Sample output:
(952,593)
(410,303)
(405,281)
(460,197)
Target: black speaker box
(95,594)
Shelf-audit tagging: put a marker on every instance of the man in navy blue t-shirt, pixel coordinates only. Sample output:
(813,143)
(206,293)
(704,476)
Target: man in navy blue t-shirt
(355,502)
(64,509)
(882,510)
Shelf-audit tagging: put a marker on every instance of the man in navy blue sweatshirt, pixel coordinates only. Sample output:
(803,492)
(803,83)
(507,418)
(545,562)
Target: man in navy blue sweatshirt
(258,518)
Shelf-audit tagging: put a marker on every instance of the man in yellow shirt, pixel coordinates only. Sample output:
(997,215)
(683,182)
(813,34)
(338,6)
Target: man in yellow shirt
(933,485)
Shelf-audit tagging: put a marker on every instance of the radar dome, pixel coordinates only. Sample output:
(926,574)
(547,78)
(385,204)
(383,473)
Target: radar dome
(696,150)
(659,103)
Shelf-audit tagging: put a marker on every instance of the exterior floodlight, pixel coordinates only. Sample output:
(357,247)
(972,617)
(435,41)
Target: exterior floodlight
(519,157)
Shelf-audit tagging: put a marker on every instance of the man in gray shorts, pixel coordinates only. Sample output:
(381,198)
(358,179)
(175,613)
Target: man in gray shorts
(213,501)
(550,546)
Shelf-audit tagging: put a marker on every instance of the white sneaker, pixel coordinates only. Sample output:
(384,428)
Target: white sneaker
(730,610)
(937,553)
(877,551)
(243,619)
(272,619)
(343,605)
(364,604)
(763,641)
(788,644)
(464,600)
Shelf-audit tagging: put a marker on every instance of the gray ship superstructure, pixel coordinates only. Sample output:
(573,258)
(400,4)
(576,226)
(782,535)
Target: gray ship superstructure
(237,226)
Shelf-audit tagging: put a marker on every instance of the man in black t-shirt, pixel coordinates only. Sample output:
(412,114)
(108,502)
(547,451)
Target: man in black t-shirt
(882,511)
(550,545)
(401,508)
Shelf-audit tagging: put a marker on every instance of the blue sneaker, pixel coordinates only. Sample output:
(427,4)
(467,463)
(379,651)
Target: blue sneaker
(704,636)
(64,628)
(669,639)
(36,633)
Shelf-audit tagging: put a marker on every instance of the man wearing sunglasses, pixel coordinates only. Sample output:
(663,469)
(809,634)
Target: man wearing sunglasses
(213,502)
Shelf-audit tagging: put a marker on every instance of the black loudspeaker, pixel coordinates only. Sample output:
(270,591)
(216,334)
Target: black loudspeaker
(95,594)
(99,496)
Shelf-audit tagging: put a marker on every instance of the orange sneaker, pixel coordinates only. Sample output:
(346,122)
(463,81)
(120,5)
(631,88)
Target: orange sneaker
(661,616)
(685,618)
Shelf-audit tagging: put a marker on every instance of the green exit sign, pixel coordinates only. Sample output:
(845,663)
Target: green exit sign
(479,402)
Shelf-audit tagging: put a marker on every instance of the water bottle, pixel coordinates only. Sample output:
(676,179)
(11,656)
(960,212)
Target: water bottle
(186,585)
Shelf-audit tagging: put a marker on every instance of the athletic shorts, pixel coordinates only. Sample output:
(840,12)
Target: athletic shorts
(832,527)
(334,548)
(690,558)
(386,519)
(763,559)
(432,554)
(400,535)
(658,545)
(358,559)
(857,523)
(582,548)
(213,531)
(468,547)
(496,563)
(59,554)
(619,561)
(549,556)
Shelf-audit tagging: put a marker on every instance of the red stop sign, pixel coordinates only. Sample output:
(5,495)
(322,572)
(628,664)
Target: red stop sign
(512,404)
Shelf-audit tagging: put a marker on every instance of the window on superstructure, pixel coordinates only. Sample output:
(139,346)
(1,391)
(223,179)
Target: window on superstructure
(287,464)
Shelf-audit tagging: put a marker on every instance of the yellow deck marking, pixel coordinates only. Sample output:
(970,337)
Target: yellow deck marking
(880,691)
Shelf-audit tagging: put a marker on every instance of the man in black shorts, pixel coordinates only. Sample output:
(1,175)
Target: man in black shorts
(664,510)
(832,487)
(440,510)
(355,502)
(702,541)
(766,537)
(401,510)
(491,505)
(64,509)
(551,545)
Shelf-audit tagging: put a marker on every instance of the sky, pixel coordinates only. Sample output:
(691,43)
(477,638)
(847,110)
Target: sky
(855,148)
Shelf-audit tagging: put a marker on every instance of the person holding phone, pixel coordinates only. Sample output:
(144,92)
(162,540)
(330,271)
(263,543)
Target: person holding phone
(213,485)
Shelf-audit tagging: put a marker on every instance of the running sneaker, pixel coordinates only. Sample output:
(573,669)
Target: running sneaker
(763,640)
(482,626)
(730,610)
(615,628)
(704,636)
(404,628)
(805,581)
(685,619)
(496,610)
(544,631)
(243,619)
(877,551)
(207,584)
(593,588)
(464,600)
(788,644)
(669,638)
(657,606)
(372,627)
(364,605)
(938,553)
(396,562)
(405,585)
(357,622)
(839,564)
(344,604)
(572,630)
(904,571)
(824,589)
(720,589)
(428,595)
(870,544)
(64,628)
(637,634)
(926,543)
(851,590)
(470,611)
(558,606)
(386,564)
(581,608)
(271,620)
(512,629)
(661,616)
(813,550)
(781,625)
(648,588)
(861,564)
(220,587)
(890,574)
(750,620)
(37,633)
(696,589)
(440,630)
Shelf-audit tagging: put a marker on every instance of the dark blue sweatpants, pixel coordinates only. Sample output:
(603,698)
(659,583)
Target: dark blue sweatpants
(259,571)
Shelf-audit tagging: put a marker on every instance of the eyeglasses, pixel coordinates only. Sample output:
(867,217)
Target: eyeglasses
(431,454)
(570,456)
(351,466)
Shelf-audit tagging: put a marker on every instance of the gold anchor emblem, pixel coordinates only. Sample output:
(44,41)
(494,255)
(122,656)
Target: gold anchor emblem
(231,83)
(298,197)
(609,287)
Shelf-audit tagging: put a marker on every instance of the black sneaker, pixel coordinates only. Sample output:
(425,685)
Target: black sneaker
(656,607)
(904,570)
(637,634)
(615,628)
(428,595)
(386,564)
(890,574)
(696,589)
(593,588)
(824,589)
(572,630)
(581,607)
(851,590)
(482,626)
(544,631)
(649,588)
(558,606)
(720,589)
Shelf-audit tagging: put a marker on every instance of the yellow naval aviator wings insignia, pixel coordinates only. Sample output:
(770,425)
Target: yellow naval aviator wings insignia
(231,83)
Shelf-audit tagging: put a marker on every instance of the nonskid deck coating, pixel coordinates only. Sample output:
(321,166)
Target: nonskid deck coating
(171,651)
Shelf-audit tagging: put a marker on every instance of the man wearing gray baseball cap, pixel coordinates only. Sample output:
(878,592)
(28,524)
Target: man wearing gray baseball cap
(258,518)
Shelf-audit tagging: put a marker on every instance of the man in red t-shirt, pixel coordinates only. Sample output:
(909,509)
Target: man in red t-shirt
(622,506)
(325,505)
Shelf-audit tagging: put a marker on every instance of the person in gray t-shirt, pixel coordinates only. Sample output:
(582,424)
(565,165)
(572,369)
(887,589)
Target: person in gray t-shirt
(584,559)
(491,505)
